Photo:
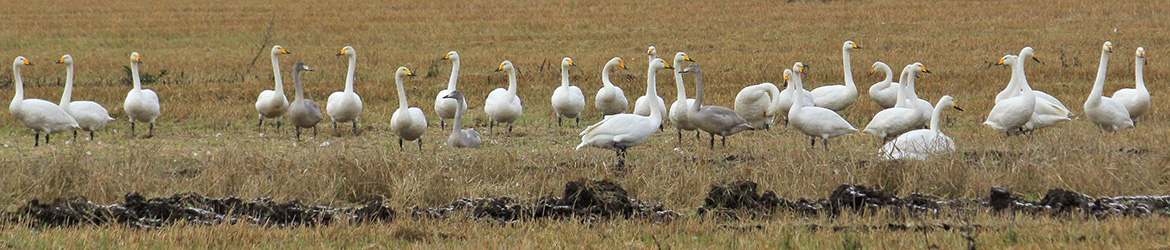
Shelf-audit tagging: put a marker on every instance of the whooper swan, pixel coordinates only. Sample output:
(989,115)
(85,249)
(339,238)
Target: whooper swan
(611,99)
(503,105)
(1135,100)
(408,122)
(39,115)
(90,116)
(567,100)
(1106,113)
(922,143)
(273,103)
(715,120)
(816,122)
(303,112)
(621,131)
(889,123)
(461,138)
(345,106)
(445,107)
(678,109)
(885,92)
(141,105)
(839,97)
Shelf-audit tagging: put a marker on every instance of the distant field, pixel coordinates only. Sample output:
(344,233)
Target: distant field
(216,58)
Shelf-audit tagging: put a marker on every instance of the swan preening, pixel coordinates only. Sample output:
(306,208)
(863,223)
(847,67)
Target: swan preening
(303,113)
(345,106)
(758,104)
(1137,99)
(461,138)
(889,123)
(503,105)
(680,107)
(839,97)
(141,105)
(816,122)
(714,120)
(611,99)
(273,103)
(39,115)
(446,107)
(567,100)
(619,132)
(90,116)
(922,143)
(1106,113)
(408,122)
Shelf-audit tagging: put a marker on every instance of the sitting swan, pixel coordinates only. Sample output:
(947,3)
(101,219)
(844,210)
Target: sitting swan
(889,123)
(461,138)
(39,115)
(839,97)
(611,99)
(678,110)
(885,92)
(815,121)
(922,143)
(1010,115)
(567,100)
(715,120)
(273,103)
(642,105)
(345,106)
(90,116)
(408,122)
(141,105)
(302,112)
(1106,113)
(503,105)
(621,131)
(445,107)
(1137,99)
(758,104)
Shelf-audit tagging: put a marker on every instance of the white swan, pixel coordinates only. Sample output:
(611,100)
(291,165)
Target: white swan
(445,107)
(345,106)
(90,116)
(141,105)
(503,105)
(642,105)
(1137,99)
(39,115)
(758,104)
(839,97)
(621,131)
(889,123)
(715,120)
(273,103)
(922,143)
(461,138)
(923,106)
(1106,113)
(567,100)
(787,96)
(611,99)
(815,121)
(1046,113)
(678,109)
(303,113)
(885,92)
(1010,115)
(408,122)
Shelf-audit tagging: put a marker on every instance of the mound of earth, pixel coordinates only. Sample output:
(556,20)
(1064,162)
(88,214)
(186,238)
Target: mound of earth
(589,200)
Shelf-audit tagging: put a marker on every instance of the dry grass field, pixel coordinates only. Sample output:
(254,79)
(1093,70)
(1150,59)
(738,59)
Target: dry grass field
(215,56)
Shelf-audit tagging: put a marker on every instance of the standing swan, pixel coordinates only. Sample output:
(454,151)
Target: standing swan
(678,110)
(273,103)
(920,144)
(715,120)
(568,101)
(408,122)
(1135,100)
(90,116)
(815,121)
(445,107)
(461,138)
(621,131)
(36,114)
(885,92)
(1010,115)
(923,106)
(758,104)
(839,97)
(786,96)
(141,105)
(1106,113)
(611,99)
(889,123)
(642,105)
(345,106)
(503,105)
(303,113)
(1047,112)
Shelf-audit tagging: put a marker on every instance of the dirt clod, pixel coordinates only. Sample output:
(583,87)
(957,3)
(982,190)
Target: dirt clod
(589,200)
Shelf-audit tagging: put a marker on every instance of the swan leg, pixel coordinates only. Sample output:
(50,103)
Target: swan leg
(314,131)
(298,133)
(278,123)
(442,123)
(131,129)
(679,134)
(724,138)
(491,125)
(90,135)
(47,138)
(579,122)
(37,138)
(420,142)
(558,120)
(258,125)
(355,129)
(712,140)
(151,134)
(812,142)
(510,127)
(698,135)
(399,143)
(75,135)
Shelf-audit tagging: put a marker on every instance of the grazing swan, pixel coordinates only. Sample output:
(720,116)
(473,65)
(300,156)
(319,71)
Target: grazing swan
(461,138)
(1046,113)
(36,114)
(678,109)
(1135,100)
(90,116)
(408,122)
(642,105)
(621,131)
(345,106)
(815,121)
(273,103)
(922,143)
(611,99)
(445,107)
(141,105)
(303,113)
(758,104)
(715,120)
(568,101)
(786,96)
(1010,115)
(1106,113)
(503,105)
(839,97)
(889,123)
(885,92)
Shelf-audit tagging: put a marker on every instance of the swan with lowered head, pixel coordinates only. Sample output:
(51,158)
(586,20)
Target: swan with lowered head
(408,122)
(141,105)
(758,104)
(1010,115)
(642,105)
(445,107)
(611,99)
(345,106)
(884,93)
(461,138)
(922,143)
(839,97)
(303,112)
(715,120)
(272,103)
(1106,113)
(90,116)
(1137,99)
(678,110)
(815,121)
(567,100)
(621,131)
(503,105)
(889,123)
(39,115)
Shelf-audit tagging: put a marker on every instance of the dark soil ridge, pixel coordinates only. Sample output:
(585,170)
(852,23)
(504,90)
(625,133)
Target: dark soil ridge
(587,200)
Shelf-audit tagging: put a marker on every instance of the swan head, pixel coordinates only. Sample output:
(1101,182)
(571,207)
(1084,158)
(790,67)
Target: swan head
(1141,52)
(652,51)
(1028,52)
(851,45)
(506,65)
(950,101)
(20,60)
(878,65)
(403,71)
(277,50)
(1007,60)
(787,74)
(348,50)
(301,66)
(65,59)
(922,67)
(682,56)
(457,95)
(1107,47)
(567,62)
(135,58)
(798,68)
(451,56)
(659,64)
(694,68)
(619,62)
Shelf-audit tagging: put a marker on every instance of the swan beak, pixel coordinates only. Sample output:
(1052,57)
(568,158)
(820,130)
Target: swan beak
(1141,54)
(1036,59)
(282,51)
(925,70)
(687,58)
(500,68)
(957,107)
(623,65)
(27,63)
(572,64)
(1109,48)
(446,57)
(855,46)
(785,81)
(409,73)
(871,71)
(62,60)
(650,52)
(667,65)
(138,59)
(342,52)
(1000,62)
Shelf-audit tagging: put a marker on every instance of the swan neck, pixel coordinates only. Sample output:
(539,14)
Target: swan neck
(402,105)
(1139,76)
(18,96)
(845,59)
(134,74)
(67,96)
(889,75)
(565,76)
(775,93)
(454,74)
(911,93)
(511,83)
(652,95)
(698,94)
(297,84)
(936,116)
(1022,82)
(797,97)
(276,75)
(605,74)
(349,74)
(459,109)
(1099,85)
(902,90)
